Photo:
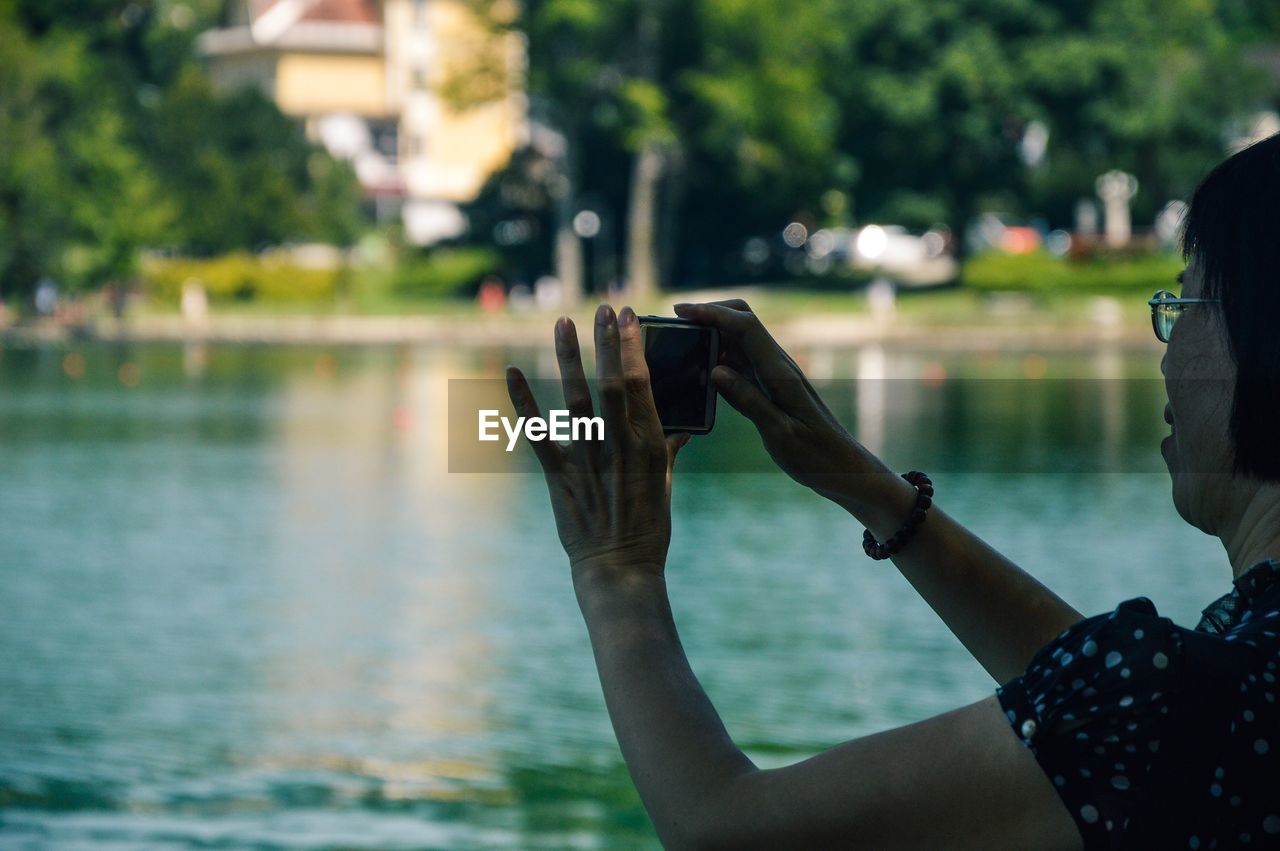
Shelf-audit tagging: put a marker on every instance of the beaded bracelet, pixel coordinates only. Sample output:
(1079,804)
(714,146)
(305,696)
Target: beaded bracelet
(924,499)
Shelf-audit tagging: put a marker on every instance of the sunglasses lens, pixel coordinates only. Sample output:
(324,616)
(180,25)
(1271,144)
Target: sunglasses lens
(1164,317)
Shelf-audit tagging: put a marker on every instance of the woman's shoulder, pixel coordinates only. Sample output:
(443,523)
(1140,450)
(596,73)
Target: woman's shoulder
(1133,717)
(1129,656)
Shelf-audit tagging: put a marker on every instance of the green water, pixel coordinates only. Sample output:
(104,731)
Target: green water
(244,604)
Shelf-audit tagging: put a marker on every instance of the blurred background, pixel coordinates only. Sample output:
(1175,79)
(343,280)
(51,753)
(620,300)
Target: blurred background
(246,246)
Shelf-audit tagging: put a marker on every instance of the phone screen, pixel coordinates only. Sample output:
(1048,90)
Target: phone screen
(680,358)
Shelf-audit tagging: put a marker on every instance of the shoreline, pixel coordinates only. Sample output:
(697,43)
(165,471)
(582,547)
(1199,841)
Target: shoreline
(850,330)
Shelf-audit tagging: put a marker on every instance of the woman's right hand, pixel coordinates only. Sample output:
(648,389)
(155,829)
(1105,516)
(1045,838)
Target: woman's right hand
(766,386)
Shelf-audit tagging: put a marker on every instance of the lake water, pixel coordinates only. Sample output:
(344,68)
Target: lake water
(243,603)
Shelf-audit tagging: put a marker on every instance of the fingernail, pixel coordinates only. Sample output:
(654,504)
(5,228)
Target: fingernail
(684,305)
(627,316)
(562,327)
(604,315)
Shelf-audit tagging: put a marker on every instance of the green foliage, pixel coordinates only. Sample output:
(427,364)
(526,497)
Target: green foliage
(914,111)
(111,139)
(240,277)
(242,174)
(1044,273)
(443,272)
(75,198)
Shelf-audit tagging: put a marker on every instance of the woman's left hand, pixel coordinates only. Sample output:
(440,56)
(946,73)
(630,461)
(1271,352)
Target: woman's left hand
(611,498)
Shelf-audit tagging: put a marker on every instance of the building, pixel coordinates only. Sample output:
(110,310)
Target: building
(371,80)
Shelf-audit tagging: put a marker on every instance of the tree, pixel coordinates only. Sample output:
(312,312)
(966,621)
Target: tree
(241,174)
(714,121)
(75,199)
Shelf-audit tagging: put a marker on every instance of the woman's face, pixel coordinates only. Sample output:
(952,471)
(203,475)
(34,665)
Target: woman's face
(1199,378)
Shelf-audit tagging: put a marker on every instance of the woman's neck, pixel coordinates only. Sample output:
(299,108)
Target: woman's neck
(1255,535)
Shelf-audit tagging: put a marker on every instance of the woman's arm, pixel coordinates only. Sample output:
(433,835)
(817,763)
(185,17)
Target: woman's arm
(1000,613)
(675,746)
(960,780)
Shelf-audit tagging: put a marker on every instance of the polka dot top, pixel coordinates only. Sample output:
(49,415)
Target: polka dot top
(1159,736)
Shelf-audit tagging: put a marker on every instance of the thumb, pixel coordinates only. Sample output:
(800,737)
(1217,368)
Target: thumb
(745,397)
(675,442)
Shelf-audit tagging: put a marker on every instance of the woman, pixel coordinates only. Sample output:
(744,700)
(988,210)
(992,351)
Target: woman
(1120,730)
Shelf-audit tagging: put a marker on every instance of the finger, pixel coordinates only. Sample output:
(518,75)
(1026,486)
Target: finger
(675,442)
(778,374)
(609,381)
(733,304)
(746,398)
(642,413)
(577,393)
(547,452)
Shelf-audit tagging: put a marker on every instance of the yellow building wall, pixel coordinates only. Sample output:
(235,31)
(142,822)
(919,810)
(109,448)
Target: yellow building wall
(470,143)
(311,84)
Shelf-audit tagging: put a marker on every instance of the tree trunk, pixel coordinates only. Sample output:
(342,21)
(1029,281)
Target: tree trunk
(642,244)
(568,246)
(568,262)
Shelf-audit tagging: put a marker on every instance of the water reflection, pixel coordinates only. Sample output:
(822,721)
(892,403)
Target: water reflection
(247,604)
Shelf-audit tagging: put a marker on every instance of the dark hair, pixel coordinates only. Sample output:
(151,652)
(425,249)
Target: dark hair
(1233,231)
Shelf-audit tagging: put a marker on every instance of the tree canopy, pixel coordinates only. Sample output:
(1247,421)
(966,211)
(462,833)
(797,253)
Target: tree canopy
(889,110)
(112,139)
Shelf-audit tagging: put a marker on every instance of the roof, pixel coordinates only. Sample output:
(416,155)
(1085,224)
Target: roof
(344,26)
(335,11)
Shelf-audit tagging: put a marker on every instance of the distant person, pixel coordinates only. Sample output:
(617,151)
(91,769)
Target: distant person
(1122,730)
(46,297)
(492,296)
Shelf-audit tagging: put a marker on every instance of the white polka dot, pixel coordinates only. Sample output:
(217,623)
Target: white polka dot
(1234,800)
(1113,659)
(1137,633)
(1218,772)
(1120,782)
(1089,648)
(1160,660)
(1059,780)
(1090,814)
(1216,790)
(1193,842)
(1248,715)
(1066,659)
(1127,700)
(1261,746)
(1271,824)
(1124,672)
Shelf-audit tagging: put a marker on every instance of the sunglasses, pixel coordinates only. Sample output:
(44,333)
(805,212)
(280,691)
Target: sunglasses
(1166,308)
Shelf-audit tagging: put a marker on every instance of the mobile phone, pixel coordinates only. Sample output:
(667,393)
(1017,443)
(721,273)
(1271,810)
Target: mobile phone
(681,354)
